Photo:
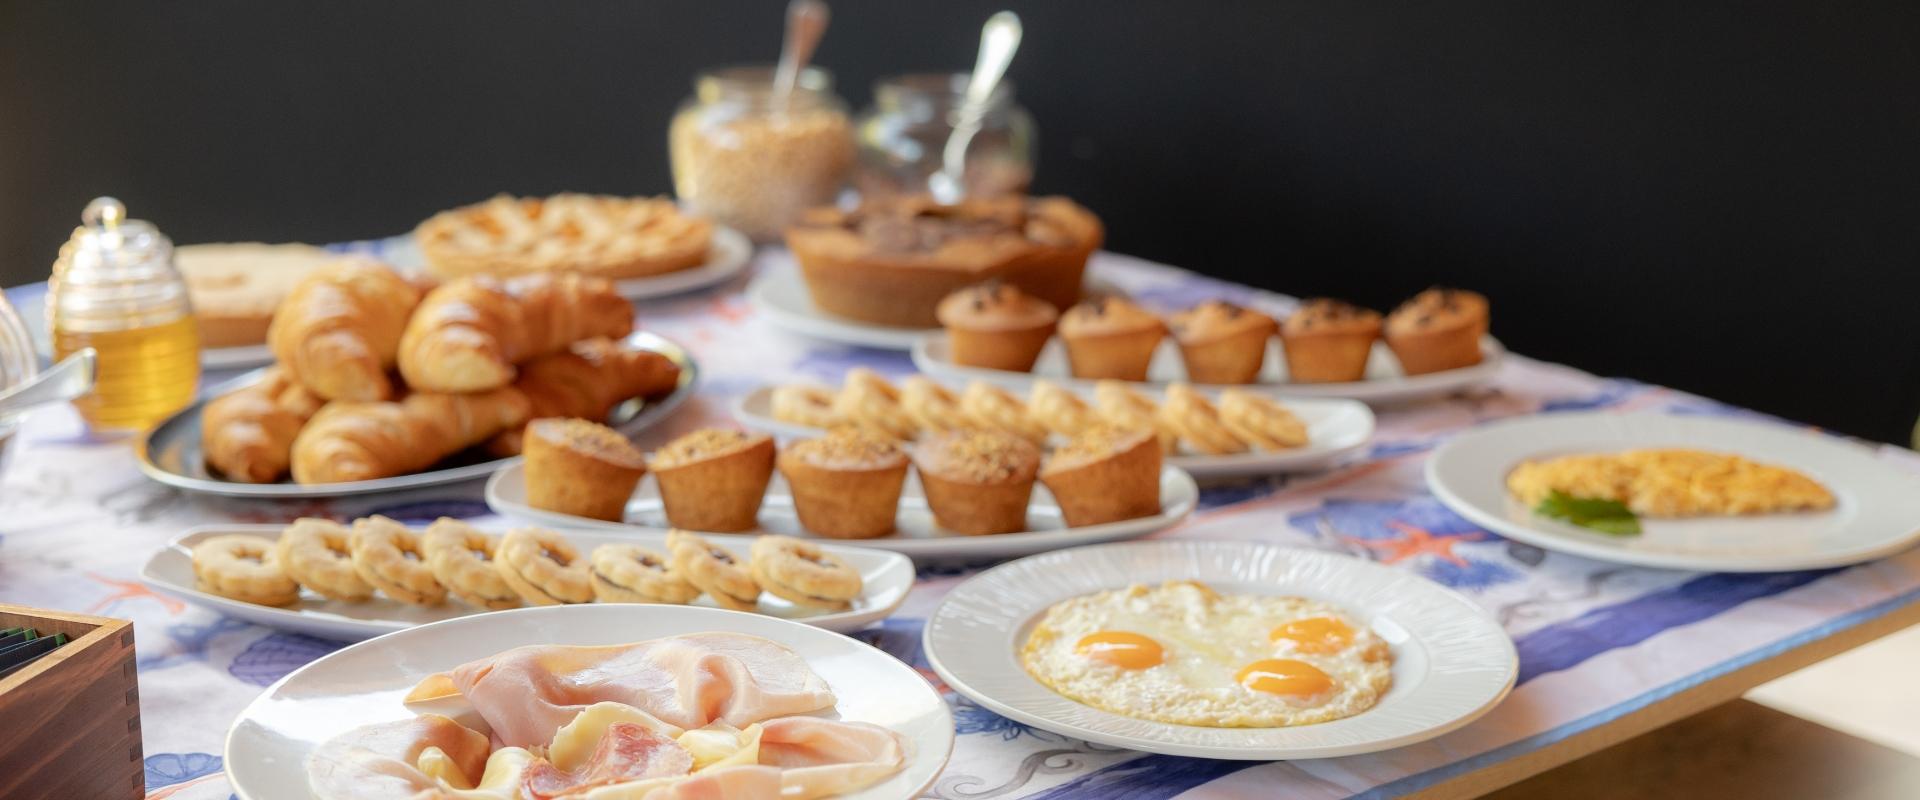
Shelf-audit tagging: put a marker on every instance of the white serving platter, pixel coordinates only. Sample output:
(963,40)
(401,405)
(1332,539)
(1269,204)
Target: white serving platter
(917,535)
(1452,660)
(887,578)
(1335,429)
(1385,383)
(1876,511)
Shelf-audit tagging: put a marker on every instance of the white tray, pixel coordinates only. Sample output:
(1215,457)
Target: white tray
(917,536)
(169,571)
(1385,383)
(1335,428)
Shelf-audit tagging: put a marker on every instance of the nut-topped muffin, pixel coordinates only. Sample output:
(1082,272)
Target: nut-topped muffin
(893,259)
(978,482)
(1110,337)
(1328,341)
(581,468)
(1105,474)
(846,485)
(996,326)
(1222,342)
(1438,329)
(713,479)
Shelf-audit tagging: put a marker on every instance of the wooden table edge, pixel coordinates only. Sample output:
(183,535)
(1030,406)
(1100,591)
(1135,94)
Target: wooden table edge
(1682,704)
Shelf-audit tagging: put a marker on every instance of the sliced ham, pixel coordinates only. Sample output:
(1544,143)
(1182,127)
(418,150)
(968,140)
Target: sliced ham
(528,693)
(627,752)
(724,783)
(378,762)
(823,757)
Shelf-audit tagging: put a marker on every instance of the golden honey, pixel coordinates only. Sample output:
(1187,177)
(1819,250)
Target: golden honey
(145,373)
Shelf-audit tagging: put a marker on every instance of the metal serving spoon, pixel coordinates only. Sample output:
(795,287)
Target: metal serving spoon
(999,38)
(69,379)
(806,23)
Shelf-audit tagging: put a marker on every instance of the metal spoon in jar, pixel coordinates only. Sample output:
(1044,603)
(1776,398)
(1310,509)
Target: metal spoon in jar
(69,379)
(999,38)
(806,23)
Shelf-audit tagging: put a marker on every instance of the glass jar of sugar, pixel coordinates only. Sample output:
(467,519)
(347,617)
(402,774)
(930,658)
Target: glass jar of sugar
(751,161)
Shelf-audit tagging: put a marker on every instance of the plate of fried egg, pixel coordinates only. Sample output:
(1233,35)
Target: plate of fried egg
(1216,649)
(1680,491)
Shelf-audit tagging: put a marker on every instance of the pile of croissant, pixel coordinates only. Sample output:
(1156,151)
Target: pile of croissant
(476,359)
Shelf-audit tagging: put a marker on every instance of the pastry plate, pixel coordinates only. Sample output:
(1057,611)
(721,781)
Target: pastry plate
(170,452)
(917,536)
(1452,660)
(1385,384)
(1335,428)
(726,258)
(779,294)
(887,578)
(1876,510)
(267,747)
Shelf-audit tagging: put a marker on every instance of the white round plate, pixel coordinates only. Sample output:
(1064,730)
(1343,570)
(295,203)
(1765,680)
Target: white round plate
(1385,384)
(727,256)
(1335,428)
(887,577)
(1876,510)
(781,296)
(268,745)
(1452,661)
(917,535)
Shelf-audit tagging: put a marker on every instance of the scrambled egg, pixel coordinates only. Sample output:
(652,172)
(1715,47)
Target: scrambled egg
(1671,483)
(1183,654)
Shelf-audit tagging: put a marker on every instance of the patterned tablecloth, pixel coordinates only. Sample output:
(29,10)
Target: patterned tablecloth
(1596,640)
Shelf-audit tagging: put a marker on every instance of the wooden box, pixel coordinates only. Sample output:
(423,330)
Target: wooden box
(70,721)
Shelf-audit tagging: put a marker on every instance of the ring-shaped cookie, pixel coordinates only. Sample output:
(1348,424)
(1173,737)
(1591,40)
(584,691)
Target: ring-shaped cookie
(931,407)
(992,407)
(869,401)
(1122,407)
(629,573)
(1261,422)
(388,556)
(714,570)
(1059,410)
(1189,414)
(543,567)
(244,568)
(801,573)
(316,554)
(461,558)
(802,404)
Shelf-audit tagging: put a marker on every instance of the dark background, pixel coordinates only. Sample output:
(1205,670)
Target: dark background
(1723,197)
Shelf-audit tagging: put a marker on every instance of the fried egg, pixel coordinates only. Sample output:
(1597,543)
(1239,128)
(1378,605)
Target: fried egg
(1184,654)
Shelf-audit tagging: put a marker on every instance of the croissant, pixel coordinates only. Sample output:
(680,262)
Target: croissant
(338,330)
(586,381)
(351,441)
(468,334)
(247,434)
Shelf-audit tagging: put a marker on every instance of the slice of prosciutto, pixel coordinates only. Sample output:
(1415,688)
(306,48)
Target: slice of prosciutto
(528,693)
(627,752)
(823,757)
(378,762)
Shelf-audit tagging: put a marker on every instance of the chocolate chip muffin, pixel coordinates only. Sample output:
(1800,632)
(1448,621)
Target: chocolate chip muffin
(1439,329)
(1328,341)
(1222,342)
(996,326)
(1110,337)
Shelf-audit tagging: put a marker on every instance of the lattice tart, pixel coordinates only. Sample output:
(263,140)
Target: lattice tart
(612,237)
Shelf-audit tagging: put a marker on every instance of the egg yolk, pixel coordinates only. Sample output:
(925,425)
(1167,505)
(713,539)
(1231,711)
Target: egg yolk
(1284,676)
(1121,649)
(1314,634)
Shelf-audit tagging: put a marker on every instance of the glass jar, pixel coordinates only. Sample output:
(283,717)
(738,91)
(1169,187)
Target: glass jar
(750,165)
(903,136)
(115,289)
